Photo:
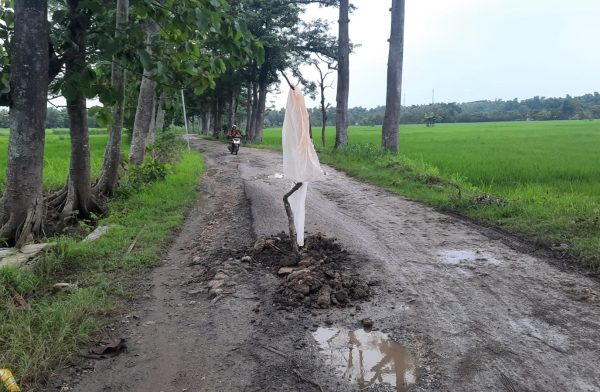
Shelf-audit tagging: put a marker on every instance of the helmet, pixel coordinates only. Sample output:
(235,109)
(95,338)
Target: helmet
(234,126)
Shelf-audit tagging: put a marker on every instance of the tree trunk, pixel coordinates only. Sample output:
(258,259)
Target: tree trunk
(218,118)
(253,117)
(248,108)
(143,112)
(260,118)
(22,208)
(232,105)
(391,120)
(160,113)
(323,111)
(213,117)
(79,183)
(204,122)
(109,175)
(343,82)
(236,103)
(152,127)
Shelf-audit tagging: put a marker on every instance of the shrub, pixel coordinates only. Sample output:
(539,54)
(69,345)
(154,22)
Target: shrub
(166,148)
(149,171)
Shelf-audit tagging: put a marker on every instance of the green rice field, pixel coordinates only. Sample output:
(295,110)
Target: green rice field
(546,173)
(57,152)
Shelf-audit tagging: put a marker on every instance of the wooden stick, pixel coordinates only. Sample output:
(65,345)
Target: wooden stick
(288,81)
(290,215)
(275,351)
(135,240)
(301,377)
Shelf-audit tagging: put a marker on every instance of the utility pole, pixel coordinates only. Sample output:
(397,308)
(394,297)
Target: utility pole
(432,96)
(187,135)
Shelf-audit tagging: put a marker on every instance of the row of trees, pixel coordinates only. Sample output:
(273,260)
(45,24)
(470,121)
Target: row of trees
(240,96)
(535,109)
(135,58)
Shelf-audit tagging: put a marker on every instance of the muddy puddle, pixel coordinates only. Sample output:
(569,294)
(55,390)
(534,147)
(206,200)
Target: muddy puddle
(454,256)
(367,358)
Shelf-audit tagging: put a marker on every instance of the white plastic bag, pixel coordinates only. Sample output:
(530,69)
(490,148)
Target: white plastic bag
(300,160)
(297,203)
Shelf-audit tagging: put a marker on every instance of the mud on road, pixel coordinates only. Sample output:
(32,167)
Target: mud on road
(452,307)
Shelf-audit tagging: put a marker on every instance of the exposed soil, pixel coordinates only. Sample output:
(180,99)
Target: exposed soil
(320,277)
(455,307)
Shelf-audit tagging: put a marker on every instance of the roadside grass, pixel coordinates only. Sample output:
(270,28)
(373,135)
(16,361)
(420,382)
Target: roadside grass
(543,177)
(47,336)
(57,153)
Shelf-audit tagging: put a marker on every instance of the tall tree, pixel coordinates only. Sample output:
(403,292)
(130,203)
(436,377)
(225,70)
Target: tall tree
(288,43)
(143,114)
(323,74)
(22,209)
(76,197)
(109,174)
(343,82)
(391,121)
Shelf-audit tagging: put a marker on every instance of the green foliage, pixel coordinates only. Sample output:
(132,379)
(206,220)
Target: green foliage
(35,341)
(7,21)
(505,174)
(162,154)
(431,118)
(148,172)
(167,147)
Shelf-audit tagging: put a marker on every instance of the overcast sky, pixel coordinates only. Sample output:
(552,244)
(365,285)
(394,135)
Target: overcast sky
(469,50)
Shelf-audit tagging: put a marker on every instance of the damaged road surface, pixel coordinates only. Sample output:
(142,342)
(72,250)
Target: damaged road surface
(451,306)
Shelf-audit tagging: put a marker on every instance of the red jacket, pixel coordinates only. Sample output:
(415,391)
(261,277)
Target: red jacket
(234,133)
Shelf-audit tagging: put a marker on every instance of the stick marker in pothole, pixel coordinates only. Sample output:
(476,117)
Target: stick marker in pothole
(300,161)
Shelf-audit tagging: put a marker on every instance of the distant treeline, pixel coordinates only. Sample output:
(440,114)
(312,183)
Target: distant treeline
(536,108)
(56,118)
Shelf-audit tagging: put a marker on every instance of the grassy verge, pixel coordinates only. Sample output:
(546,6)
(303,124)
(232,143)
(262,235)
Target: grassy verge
(540,180)
(36,340)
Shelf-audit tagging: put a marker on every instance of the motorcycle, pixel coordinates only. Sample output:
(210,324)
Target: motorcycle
(235,145)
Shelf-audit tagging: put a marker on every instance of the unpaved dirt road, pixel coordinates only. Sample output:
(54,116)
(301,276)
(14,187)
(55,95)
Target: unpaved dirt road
(476,312)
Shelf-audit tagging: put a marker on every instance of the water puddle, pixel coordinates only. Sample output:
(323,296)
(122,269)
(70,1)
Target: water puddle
(465,256)
(367,358)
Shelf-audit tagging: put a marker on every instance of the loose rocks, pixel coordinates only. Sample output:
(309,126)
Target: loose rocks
(320,278)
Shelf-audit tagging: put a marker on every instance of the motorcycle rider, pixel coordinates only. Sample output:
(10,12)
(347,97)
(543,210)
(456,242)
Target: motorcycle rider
(233,132)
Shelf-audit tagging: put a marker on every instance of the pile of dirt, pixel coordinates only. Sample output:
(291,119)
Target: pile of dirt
(320,278)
